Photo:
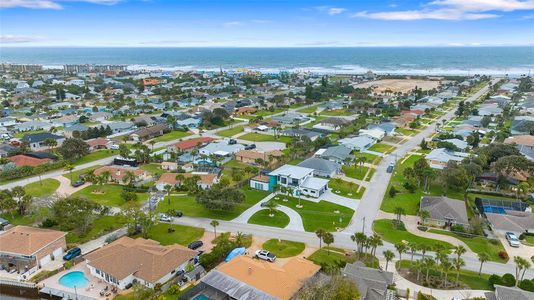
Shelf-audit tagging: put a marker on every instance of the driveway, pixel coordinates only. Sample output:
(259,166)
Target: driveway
(66,189)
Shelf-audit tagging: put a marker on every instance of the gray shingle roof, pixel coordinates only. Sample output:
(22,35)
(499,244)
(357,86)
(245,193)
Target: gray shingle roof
(320,164)
(443,208)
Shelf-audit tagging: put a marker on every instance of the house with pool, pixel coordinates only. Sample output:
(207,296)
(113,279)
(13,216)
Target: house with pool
(127,261)
(300,180)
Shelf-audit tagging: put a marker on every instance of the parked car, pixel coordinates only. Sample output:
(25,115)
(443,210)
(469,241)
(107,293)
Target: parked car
(512,240)
(390,168)
(250,147)
(78,183)
(114,147)
(232,142)
(72,253)
(165,218)
(264,204)
(265,255)
(195,245)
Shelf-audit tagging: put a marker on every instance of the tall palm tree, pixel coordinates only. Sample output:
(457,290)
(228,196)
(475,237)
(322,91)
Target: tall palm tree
(129,178)
(328,238)
(214,223)
(168,189)
(376,241)
(272,207)
(429,263)
(446,266)
(482,257)
(401,248)
(399,212)
(69,168)
(359,239)
(458,264)
(424,248)
(526,265)
(388,255)
(152,143)
(320,233)
(413,248)
(418,265)
(424,214)
(459,250)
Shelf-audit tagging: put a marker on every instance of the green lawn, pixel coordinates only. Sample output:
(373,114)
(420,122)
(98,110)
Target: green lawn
(528,240)
(236,164)
(96,155)
(42,188)
(382,148)
(406,200)
(282,248)
(469,278)
(76,174)
(182,235)
(357,172)
(330,256)
(99,227)
(478,244)
(20,135)
(345,188)
(309,110)
(17,219)
(108,194)
(318,215)
(154,169)
(258,137)
(385,228)
(370,158)
(231,131)
(262,217)
(173,135)
(189,206)
(264,113)
(336,112)
(405,131)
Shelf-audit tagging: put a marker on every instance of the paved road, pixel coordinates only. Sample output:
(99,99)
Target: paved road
(341,239)
(373,195)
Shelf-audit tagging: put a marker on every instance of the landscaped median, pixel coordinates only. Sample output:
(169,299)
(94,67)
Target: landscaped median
(318,215)
(263,217)
(390,233)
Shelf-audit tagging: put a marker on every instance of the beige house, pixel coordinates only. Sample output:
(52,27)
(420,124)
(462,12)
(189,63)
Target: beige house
(26,249)
(117,174)
(144,261)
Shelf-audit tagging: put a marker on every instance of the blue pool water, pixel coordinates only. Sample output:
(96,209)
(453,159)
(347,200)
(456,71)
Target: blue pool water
(494,209)
(201,297)
(72,279)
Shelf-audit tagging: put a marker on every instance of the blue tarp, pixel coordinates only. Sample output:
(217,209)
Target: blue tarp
(234,253)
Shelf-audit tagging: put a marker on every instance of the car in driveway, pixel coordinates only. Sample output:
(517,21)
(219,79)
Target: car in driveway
(195,245)
(265,255)
(78,183)
(390,168)
(72,253)
(512,239)
(165,218)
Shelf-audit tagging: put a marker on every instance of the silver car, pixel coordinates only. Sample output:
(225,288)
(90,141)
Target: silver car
(512,240)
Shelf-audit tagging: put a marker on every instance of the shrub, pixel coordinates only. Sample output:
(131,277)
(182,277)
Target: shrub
(173,289)
(392,191)
(48,223)
(410,187)
(494,242)
(128,196)
(111,238)
(527,285)
(422,228)
(508,280)
(67,265)
(503,255)
(494,280)
(458,228)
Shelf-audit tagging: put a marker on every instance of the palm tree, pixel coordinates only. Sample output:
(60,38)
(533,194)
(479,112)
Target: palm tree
(168,189)
(239,239)
(129,178)
(459,250)
(418,266)
(458,264)
(272,207)
(446,267)
(424,214)
(429,263)
(526,265)
(359,238)
(376,241)
(401,248)
(399,212)
(424,248)
(328,238)
(320,233)
(152,142)
(388,255)
(214,223)
(413,248)
(69,168)
(482,257)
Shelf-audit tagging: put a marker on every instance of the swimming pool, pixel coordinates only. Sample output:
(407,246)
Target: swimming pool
(201,297)
(494,209)
(74,279)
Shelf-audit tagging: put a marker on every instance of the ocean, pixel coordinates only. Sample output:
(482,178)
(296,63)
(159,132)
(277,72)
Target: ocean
(417,60)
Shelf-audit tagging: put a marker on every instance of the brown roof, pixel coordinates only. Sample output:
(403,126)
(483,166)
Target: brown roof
(192,143)
(254,154)
(261,178)
(527,140)
(28,240)
(156,129)
(118,173)
(98,142)
(23,160)
(246,109)
(146,259)
(281,282)
(170,178)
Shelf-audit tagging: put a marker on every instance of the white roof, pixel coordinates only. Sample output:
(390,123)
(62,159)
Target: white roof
(374,133)
(292,171)
(262,127)
(320,152)
(314,183)
(221,153)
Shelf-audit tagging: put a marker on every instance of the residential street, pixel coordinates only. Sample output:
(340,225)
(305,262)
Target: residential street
(372,198)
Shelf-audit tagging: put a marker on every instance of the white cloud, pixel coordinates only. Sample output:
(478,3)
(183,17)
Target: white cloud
(17,39)
(49,4)
(452,10)
(233,24)
(336,10)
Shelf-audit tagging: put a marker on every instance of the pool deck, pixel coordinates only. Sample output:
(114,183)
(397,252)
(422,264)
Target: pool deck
(92,289)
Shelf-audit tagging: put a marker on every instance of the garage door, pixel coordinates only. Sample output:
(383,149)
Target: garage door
(58,253)
(44,260)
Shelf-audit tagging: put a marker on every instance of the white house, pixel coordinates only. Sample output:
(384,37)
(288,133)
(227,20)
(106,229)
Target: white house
(358,143)
(300,179)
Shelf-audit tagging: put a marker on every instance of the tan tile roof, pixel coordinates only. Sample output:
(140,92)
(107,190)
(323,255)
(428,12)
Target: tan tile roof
(261,178)
(281,282)
(118,173)
(146,259)
(27,240)
(254,154)
(21,160)
(170,178)
(527,140)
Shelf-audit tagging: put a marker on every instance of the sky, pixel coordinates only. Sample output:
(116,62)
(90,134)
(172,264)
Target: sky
(263,23)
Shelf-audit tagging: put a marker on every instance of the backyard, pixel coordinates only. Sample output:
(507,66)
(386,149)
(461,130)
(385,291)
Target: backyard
(389,232)
(189,207)
(283,248)
(318,215)
(99,227)
(262,217)
(108,194)
(230,131)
